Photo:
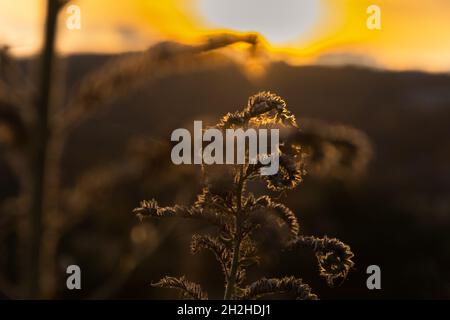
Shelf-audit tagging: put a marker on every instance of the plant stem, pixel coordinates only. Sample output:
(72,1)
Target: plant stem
(40,150)
(229,291)
(231,283)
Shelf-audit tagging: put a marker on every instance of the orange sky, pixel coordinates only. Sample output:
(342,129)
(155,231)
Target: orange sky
(415,34)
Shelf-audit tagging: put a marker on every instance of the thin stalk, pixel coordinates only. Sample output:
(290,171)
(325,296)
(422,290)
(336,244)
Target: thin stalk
(40,150)
(231,283)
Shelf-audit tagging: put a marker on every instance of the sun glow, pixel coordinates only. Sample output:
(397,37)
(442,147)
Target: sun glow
(280,22)
(413,36)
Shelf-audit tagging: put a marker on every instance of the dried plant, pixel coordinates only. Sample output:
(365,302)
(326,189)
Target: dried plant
(333,150)
(34,125)
(226,203)
(189,290)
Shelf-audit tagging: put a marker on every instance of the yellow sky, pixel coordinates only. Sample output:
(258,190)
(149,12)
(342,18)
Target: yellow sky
(415,34)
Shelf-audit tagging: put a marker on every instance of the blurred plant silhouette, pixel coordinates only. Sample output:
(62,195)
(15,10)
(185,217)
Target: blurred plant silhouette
(34,125)
(226,203)
(36,119)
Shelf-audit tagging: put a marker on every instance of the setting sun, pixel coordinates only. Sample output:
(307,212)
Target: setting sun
(307,31)
(280,22)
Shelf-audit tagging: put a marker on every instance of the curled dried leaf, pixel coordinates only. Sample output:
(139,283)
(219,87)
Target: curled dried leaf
(334,257)
(289,174)
(265,286)
(281,211)
(150,208)
(188,289)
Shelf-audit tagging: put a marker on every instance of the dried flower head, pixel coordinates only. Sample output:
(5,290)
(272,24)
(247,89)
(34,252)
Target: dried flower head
(236,212)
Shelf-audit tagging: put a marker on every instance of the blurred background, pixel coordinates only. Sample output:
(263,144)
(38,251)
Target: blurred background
(72,185)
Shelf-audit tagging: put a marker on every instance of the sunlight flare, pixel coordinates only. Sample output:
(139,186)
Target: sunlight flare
(279,21)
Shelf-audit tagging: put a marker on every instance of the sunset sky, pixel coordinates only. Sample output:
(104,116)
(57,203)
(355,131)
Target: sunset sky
(415,34)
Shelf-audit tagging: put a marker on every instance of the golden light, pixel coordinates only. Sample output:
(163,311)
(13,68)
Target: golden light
(280,21)
(413,35)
